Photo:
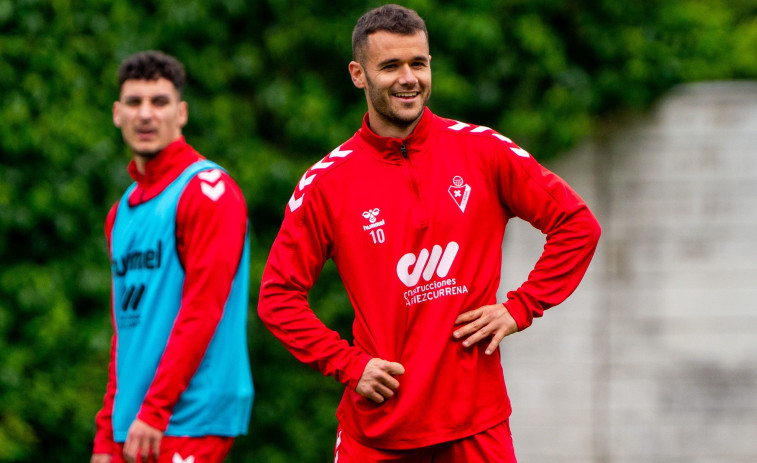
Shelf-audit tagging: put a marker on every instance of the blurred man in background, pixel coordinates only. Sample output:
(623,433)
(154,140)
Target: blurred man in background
(179,385)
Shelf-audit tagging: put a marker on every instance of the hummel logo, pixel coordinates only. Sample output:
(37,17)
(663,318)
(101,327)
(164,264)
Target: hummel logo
(426,264)
(371,215)
(177,459)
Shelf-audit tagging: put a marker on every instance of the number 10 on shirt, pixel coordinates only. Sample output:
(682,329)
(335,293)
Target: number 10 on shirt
(378,236)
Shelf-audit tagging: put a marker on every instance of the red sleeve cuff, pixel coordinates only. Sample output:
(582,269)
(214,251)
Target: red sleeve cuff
(103,443)
(158,419)
(356,372)
(523,317)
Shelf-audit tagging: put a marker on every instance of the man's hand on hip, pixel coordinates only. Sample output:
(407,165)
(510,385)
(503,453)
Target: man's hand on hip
(377,382)
(488,321)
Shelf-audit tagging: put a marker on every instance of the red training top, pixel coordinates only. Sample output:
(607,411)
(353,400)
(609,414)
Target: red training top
(415,228)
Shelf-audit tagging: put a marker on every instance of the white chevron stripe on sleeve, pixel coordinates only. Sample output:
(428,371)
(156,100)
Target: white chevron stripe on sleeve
(213,192)
(210,176)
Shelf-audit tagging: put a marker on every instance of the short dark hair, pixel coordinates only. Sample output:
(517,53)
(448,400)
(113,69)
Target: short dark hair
(390,18)
(152,65)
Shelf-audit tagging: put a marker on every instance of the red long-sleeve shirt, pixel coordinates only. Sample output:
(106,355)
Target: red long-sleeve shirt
(415,228)
(208,209)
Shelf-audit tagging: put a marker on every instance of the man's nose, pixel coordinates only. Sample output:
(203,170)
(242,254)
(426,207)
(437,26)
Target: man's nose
(407,76)
(145,110)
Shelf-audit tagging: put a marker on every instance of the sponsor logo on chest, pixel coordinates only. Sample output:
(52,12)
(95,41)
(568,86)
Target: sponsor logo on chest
(434,267)
(147,259)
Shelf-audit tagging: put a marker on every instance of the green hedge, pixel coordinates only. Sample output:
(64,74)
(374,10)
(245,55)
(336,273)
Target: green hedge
(269,94)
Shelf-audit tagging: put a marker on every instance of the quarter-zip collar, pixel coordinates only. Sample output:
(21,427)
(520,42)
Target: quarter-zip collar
(396,150)
(161,170)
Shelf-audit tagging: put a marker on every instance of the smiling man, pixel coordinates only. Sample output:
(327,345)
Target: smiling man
(179,383)
(412,210)
(396,76)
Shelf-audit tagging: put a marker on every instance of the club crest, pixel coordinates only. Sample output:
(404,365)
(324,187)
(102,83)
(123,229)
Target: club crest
(460,192)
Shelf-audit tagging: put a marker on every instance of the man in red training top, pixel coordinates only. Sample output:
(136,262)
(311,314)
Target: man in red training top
(412,209)
(179,384)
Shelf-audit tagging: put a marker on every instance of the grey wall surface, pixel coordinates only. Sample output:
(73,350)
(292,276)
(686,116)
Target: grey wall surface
(654,357)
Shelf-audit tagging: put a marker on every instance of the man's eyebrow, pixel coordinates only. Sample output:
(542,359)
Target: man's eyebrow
(423,58)
(149,97)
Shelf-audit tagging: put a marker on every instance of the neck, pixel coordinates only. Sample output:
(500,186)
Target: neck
(140,161)
(384,128)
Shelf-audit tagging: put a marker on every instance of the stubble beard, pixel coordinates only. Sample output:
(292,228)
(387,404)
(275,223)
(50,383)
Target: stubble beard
(382,104)
(148,155)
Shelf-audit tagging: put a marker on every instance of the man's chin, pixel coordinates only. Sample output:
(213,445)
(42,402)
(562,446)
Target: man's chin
(407,118)
(145,153)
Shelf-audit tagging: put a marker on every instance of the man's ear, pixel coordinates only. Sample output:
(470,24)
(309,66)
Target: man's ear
(183,113)
(116,118)
(358,74)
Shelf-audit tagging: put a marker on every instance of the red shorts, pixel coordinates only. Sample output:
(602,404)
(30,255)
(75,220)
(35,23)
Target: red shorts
(495,445)
(208,449)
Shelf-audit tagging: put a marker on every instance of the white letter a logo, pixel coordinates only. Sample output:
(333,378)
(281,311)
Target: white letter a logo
(426,264)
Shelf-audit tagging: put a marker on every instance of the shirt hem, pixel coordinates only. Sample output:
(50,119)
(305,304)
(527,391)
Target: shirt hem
(394,443)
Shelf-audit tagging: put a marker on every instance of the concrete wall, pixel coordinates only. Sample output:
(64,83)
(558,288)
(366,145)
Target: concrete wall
(654,358)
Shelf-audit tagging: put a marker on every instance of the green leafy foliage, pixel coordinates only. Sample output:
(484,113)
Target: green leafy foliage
(269,95)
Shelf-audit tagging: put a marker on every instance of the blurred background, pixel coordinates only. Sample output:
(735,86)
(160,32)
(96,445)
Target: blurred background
(647,108)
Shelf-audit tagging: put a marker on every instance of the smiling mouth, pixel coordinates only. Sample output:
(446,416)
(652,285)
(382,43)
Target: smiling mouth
(145,132)
(407,94)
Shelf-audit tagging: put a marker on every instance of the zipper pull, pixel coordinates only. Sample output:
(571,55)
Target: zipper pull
(403,148)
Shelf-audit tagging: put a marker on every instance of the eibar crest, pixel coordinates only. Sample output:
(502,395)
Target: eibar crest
(460,192)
